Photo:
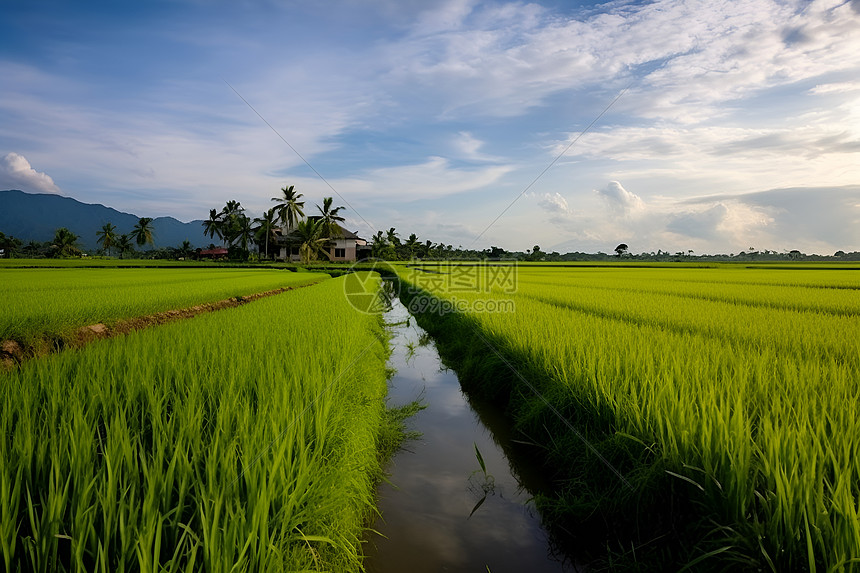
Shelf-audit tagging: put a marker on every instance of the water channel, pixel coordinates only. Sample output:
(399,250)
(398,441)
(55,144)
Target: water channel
(441,510)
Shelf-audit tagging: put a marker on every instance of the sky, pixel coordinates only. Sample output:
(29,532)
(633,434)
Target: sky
(705,125)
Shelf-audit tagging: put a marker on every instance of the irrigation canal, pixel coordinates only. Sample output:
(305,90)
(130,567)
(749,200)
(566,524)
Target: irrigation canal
(441,510)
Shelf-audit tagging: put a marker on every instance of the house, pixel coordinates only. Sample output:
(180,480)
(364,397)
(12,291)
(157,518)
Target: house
(348,247)
(216,253)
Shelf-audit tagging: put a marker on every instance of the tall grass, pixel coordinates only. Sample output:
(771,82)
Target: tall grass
(50,302)
(242,440)
(747,410)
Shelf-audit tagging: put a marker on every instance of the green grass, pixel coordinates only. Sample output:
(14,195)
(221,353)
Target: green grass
(111,262)
(52,302)
(242,440)
(726,397)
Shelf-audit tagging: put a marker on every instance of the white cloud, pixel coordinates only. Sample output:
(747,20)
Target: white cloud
(731,223)
(698,54)
(835,88)
(433,178)
(621,201)
(812,219)
(468,147)
(555,203)
(16,173)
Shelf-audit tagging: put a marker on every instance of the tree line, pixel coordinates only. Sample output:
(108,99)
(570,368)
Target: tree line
(284,224)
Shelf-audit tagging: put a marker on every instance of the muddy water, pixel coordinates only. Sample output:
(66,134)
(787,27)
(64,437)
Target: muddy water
(441,510)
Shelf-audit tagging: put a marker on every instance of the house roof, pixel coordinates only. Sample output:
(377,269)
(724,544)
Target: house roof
(344,233)
(215,252)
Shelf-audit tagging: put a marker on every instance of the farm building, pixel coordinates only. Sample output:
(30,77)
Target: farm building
(348,247)
(214,253)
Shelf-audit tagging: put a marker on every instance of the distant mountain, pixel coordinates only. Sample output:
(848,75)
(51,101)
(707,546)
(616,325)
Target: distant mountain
(35,217)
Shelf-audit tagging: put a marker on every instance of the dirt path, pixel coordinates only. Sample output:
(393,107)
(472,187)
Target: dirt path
(13,353)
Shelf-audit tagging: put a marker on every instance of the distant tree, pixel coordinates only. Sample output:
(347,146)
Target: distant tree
(392,238)
(497,252)
(33,248)
(330,219)
(839,254)
(65,243)
(289,208)
(231,221)
(426,249)
(142,232)
(795,254)
(536,254)
(265,230)
(106,237)
(213,225)
(621,249)
(244,233)
(312,239)
(378,244)
(185,249)
(410,245)
(9,245)
(124,245)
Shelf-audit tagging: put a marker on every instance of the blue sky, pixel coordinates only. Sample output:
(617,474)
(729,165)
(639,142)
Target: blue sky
(738,123)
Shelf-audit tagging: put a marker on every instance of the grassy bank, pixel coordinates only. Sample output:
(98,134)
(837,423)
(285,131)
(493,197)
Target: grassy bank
(247,439)
(695,416)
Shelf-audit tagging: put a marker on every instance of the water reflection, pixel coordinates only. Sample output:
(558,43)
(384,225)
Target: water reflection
(453,503)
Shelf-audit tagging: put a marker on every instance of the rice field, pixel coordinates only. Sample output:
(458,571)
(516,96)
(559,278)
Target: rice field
(51,302)
(736,390)
(240,440)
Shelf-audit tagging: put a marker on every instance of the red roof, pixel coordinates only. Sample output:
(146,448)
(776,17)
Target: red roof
(214,252)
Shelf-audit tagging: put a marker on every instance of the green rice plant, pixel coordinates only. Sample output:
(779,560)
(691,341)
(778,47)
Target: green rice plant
(52,302)
(735,390)
(242,440)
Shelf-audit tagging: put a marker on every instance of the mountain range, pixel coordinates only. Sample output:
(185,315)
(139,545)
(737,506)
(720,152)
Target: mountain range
(36,216)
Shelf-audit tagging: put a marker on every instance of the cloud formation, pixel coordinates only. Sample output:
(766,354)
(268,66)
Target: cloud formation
(555,204)
(621,201)
(16,173)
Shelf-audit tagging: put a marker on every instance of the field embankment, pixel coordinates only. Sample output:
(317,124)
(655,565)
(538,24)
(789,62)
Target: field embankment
(246,439)
(703,417)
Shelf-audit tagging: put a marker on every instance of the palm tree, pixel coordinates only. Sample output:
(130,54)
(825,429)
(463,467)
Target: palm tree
(378,245)
(142,232)
(213,225)
(312,239)
(185,249)
(65,243)
(289,209)
(230,222)
(330,219)
(427,249)
(107,237)
(266,228)
(243,231)
(123,244)
(411,244)
(391,235)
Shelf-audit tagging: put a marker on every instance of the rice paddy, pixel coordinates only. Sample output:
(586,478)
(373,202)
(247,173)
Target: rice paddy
(50,302)
(707,416)
(241,440)
(730,393)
